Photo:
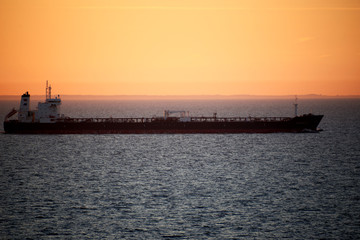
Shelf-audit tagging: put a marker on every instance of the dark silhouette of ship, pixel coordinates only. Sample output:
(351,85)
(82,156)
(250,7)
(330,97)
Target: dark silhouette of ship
(47,119)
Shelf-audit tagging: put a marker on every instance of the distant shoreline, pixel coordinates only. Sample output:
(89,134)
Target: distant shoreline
(182,97)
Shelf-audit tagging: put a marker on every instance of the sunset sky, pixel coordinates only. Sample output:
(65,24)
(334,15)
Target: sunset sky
(180,47)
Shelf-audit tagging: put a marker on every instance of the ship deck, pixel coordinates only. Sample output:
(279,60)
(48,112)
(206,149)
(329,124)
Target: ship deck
(190,119)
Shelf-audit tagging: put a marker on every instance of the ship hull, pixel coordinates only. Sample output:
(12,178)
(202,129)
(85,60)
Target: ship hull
(303,123)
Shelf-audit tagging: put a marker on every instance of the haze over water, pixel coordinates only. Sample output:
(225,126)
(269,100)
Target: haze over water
(192,186)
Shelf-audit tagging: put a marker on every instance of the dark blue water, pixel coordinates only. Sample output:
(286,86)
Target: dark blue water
(221,186)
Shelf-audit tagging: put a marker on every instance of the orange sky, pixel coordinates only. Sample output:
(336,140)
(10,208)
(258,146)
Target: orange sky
(180,47)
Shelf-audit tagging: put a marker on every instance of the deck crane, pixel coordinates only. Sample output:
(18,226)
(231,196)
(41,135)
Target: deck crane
(183,114)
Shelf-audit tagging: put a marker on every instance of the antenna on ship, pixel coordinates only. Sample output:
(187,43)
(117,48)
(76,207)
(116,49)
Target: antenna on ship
(50,92)
(296,106)
(46,91)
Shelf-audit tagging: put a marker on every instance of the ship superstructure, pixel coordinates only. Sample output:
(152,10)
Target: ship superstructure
(46,112)
(47,119)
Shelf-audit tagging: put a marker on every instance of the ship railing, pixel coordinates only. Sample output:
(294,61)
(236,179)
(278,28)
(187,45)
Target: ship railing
(192,119)
(239,119)
(109,120)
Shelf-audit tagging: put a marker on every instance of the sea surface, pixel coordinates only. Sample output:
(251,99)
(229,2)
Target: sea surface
(191,186)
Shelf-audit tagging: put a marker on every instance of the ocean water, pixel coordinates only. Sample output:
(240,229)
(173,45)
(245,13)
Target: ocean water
(192,186)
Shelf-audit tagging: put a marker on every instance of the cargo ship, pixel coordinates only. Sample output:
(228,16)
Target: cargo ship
(47,119)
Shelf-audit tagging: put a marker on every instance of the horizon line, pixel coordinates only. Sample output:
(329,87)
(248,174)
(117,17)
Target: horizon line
(188,96)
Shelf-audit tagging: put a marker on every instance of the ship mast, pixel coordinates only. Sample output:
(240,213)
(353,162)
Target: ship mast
(296,106)
(50,92)
(46,90)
